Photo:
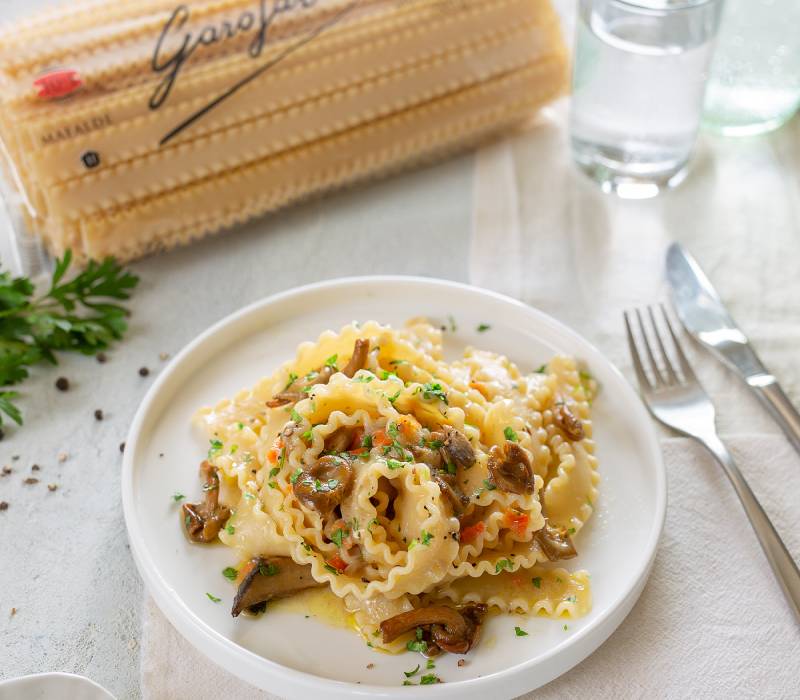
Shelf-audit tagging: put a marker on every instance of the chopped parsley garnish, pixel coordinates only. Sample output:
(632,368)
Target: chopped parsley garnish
(385,375)
(296,417)
(216,447)
(541,369)
(234,449)
(366,442)
(431,392)
(435,444)
(230,573)
(452,322)
(503,564)
(430,664)
(328,485)
(307,435)
(240,426)
(489,485)
(364,378)
(510,434)
(328,567)
(249,496)
(430,679)
(417,645)
(571,599)
(589,502)
(571,531)
(413,672)
(537,581)
(398,362)
(565,628)
(296,475)
(483,327)
(520,632)
(451,468)
(274,471)
(425,537)
(331,361)
(338,536)
(268,569)
(272,485)
(395,464)
(213,598)
(393,430)
(187,521)
(292,380)
(394,396)
(230,529)
(177,497)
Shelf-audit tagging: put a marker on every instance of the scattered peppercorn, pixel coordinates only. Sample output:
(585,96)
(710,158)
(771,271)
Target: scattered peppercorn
(3,505)
(143,371)
(461,663)
(31,480)
(35,467)
(370,665)
(101,357)
(52,487)
(62,384)
(98,414)
(14,458)
(122,447)
(2,434)
(7,470)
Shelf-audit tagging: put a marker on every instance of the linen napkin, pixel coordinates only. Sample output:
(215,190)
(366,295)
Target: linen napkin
(711,622)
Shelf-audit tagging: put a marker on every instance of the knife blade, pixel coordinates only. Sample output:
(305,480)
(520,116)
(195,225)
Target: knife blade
(705,317)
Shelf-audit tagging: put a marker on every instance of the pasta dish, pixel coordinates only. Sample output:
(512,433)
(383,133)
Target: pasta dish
(423,492)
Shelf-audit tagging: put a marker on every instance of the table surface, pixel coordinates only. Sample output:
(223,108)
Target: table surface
(558,244)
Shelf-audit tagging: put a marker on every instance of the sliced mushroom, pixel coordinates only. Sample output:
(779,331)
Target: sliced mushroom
(358,359)
(324,486)
(268,578)
(556,544)
(299,392)
(451,491)
(453,629)
(339,440)
(510,467)
(203,521)
(457,448)
(284,398)
(568,422)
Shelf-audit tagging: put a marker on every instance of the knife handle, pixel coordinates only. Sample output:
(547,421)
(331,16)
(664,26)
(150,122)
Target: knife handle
(785,414)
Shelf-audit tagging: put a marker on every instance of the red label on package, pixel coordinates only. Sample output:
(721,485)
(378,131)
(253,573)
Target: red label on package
(58,83)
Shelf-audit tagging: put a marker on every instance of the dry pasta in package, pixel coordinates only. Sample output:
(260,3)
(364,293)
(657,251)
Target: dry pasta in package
(131,126)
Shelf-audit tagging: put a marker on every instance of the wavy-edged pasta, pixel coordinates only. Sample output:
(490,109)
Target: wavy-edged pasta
(422,492)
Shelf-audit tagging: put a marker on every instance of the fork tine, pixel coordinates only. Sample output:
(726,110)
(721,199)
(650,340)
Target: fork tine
(653,363)
(641,375)
(686,368)
(672,377)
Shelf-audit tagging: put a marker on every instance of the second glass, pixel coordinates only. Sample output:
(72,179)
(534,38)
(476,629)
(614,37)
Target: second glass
(639,77)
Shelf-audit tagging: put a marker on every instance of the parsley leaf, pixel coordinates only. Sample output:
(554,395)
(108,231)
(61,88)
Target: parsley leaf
(483,327)
(216,448)
(230,573)
(213,598)
(395,464)
(178,497)
(537,581)
(430,679)
(430,664)
(338,536)
(417,645)
(79,314)
(541,370)
(268,569)
(364,378)
(230,529)
(366,443)
(274,471)
(414,672)
(394,396)
(520,632)
(503,564)
(296,417)
(489,485)
(431,392)
(296,475)
(292,380)
(331,361)
(510,434)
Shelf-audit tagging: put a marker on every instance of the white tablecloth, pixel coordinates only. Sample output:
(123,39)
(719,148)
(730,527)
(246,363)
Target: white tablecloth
(515,218)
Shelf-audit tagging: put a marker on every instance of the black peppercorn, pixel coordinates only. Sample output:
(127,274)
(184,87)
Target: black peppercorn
(98,414)
(62,384)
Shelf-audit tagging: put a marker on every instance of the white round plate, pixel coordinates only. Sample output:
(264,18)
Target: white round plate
(291,656)
(52,686)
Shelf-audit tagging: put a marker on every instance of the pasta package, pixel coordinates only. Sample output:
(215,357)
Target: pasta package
(133,126)
(421,493)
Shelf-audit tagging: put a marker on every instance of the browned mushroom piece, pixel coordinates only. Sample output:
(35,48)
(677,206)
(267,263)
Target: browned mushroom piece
(323,487)
(510,468)
(299,391)
(427,455)
(358,359)
(457,448)
(451,491)
(203,521)
(268,578)
(339,440)
(284,398)
(454,629)
(556,544)
(568,422)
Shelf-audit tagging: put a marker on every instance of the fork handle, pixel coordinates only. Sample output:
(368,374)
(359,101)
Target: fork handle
(780,560)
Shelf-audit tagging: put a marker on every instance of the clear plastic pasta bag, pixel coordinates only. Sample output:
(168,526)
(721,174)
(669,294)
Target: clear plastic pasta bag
(132,126)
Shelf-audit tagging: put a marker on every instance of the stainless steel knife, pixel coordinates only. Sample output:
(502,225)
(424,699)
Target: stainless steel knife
(704,316)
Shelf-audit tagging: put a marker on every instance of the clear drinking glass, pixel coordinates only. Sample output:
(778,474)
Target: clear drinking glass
(755,75)
(637,94)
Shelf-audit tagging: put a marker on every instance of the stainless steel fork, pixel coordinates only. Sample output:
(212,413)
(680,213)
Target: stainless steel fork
(675,397)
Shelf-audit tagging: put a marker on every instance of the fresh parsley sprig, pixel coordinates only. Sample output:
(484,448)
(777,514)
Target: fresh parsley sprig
(77,313)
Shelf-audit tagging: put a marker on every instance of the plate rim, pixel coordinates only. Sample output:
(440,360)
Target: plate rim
(249,666)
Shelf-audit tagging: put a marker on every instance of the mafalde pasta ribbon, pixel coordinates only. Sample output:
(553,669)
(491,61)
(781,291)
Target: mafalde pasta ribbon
(133,126)
(408,485)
